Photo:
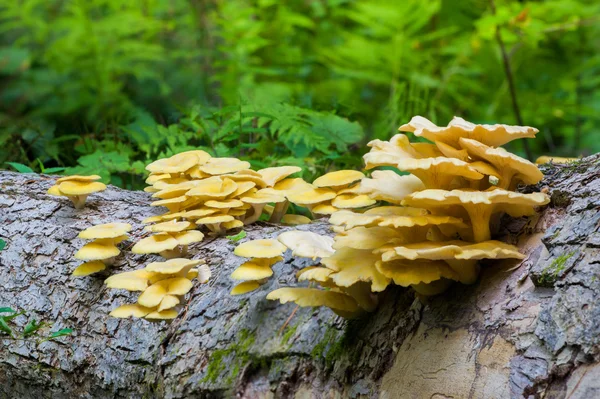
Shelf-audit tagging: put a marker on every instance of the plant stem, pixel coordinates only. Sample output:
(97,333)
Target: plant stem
(510,80)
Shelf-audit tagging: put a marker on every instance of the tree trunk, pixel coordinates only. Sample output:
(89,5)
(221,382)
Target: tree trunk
(529,329)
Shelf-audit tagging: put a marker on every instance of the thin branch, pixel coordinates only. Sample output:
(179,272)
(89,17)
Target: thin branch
(511,83)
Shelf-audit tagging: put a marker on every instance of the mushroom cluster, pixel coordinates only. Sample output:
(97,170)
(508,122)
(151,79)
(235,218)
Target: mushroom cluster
(253,273)
(219,193)
(102,250)
(437,223)
(332,192)
(163,286)
(77,188)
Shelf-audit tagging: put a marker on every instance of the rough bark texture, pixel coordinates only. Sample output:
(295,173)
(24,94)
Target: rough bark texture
(529,329)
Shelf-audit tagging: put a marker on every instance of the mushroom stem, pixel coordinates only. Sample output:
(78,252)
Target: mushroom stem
(361,292)
(215,228)
(468,270)
(257,211)
(434,288)
(78,200)
(480,221)
(279,210)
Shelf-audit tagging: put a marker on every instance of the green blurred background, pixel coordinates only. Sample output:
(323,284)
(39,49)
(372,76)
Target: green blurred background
(105,86)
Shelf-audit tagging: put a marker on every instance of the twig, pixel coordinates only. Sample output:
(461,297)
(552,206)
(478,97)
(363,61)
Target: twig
(288,320)
(511,83)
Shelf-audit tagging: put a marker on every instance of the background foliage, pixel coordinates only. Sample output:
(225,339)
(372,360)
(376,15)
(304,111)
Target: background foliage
(104,86)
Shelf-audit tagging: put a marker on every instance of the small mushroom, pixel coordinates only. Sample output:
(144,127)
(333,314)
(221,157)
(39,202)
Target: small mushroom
(307,244)
(77,188)
(295,219)
(265,248)
(221,166)
(245,287)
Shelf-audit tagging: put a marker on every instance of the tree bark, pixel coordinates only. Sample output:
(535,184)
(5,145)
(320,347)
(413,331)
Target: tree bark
(529,329)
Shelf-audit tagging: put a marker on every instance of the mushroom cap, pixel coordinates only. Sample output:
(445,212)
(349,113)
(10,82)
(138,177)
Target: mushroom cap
(54,191)
(250,271)
(503,160)
(108,230)
(245,287)
(405,273)
(188,237)
(171,202)
(315,273)
(97,251)
(451,152)
(263,196)
(547,159)
(515,204)
(131,310)
(389,153)
(354,265)
(176,190)
(435,171)
(312,196)
(373,216)
(387,185)
(295,219)
(224,204)
(154,244)
(213,219)
(199,213)
(421,221)
(171,226)
(79,178)
(154,177)
(242,188)
(265,248)
(307,244)
(173,266)
(350,201)
(430,250)
(233,224)
(371,237)
(177,163)
(72,188)
(338,178)
(87,268)
(247,176)
(313,297)
(291,185)
(492,135)
(164,315)
(136,280)
(324,209)
(168,302)
(154,294)
(213,188)
(275,174)
(221,166)
(202,274)
(485,168)
(153,219)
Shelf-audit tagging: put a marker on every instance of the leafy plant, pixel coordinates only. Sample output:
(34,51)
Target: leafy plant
(31,331)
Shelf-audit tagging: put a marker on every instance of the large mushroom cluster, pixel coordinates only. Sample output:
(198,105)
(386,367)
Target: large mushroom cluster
(438,220)
(218,193)
(163,286)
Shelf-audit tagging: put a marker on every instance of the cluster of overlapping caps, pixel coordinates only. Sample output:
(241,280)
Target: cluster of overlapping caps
(425,229)
(439,223)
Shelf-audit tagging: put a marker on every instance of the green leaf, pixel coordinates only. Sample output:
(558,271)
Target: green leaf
(60,333)
(7,310)
(32,327)
(238,236)
(19,167)
(4,327)
(2,244)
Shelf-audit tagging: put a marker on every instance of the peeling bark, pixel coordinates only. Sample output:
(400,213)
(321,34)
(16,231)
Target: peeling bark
(529,329)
